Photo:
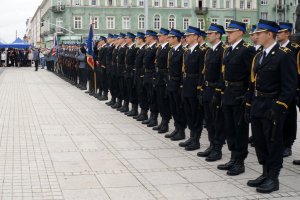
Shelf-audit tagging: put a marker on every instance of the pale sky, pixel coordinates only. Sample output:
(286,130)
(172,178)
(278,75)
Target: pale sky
(13,17)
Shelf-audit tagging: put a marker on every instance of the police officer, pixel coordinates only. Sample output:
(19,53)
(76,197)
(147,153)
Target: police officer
(175,62)
(254,39)
(274,83)
(139,78)
(101,69)
(237,67)
(161,62)
(212,73)
(193,63)
(115,83)
(129,76)
(290,125)
(109,52)
(149,67)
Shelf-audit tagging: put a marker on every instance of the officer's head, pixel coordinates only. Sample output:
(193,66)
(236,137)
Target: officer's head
(214,33)
(110,38)
(285,31)
(102,40)
(253,35)
(140,38)
(163,35)
(121,38)
(150,37)
(266,32)
(192,35)
(235,31)
(129,38)
(174,37)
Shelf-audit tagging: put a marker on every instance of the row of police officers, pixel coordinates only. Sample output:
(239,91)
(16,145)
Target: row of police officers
(178,76)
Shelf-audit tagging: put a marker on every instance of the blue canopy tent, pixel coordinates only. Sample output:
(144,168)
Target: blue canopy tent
(17,44)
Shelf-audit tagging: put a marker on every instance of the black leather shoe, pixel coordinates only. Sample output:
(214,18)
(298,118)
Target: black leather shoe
(180,135)
(227,165)
(103,97)
(296,162)
(193,146)
(287,152)
(153,122)
(215,154)
(170,135)
(143,117)
(256,182)
(236,169)
(186,143)
(164,128)
(146,121)
(268,186)
(110,103)
(156,128)
(206,152)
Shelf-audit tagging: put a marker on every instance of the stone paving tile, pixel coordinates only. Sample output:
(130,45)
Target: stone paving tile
(56,142)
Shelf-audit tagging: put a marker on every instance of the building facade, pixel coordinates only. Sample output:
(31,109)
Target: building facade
(71,19)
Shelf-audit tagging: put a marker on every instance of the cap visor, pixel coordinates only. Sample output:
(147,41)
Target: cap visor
(231,29)
(186,34)
(260,30)
(282,30)
(210,31)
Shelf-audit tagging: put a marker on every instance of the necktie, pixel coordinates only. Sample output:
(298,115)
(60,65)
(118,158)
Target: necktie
(173,51)
(229,50)
(263,57)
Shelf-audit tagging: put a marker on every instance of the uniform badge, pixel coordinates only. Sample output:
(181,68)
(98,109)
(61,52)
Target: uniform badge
(273,52)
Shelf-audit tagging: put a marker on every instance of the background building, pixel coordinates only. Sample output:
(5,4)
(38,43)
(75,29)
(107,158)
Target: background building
(70,19)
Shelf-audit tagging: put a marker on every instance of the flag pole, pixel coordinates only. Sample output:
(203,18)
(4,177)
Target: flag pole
(95,77)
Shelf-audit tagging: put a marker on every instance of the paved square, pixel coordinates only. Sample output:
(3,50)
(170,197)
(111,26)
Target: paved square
(57,142)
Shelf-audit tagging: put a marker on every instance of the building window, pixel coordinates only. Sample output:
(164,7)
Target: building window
(249,4)
(171,3)
(264,2)
(214,4)
(77,2)
(140,3)
(59,24)
(156,22)
(264,15)
(110,2)
(295,2)
(78,22)
(156,3)
(125,2)
(214,20)
(227,22)
(172,22)
(110,22)
(186,23)
(93,2)
(125,23)
(141,22)
(59,3)
(201,23)
(247,22)
(228,4)
(96,21)
(242,4)
(186,3)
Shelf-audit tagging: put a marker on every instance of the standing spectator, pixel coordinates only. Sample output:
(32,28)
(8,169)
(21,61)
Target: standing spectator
(30,57)
(36,58)
(42,59)
(3,58)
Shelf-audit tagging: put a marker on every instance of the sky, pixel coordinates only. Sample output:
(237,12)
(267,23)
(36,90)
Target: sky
(13,17)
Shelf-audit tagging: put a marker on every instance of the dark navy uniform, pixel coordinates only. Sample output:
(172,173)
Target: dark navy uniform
(101,72)
(114,86)
(121,71)
(161,62)
(109,53)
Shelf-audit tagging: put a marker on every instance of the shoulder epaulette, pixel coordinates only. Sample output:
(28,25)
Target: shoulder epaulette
(295,45)
(247,45)
(284,49)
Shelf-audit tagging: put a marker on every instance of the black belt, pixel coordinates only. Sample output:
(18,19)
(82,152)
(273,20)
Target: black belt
(265,94)
(175,78)
(161,70)
(210,84)
(185,75)
(149,70)
(234,84)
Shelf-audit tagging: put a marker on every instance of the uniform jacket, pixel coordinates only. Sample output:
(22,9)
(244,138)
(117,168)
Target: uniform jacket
(149,63)
(130,60)
(175,69)
(161,65)
(121,60)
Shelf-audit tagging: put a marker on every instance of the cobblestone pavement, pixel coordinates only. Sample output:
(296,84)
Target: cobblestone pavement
(57,142)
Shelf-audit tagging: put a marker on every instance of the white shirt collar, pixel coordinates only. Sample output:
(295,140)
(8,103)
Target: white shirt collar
(151,45)
(193,47)
(163,45)
(285,44)
(267,50)
(103,45)
(202,44)
(130,46)
(215,46)
(142,46)
(236,43)
(257,47)
(123,45)
(177,46)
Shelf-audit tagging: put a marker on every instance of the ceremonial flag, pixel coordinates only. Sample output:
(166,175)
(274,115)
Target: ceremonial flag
(90,52)
(54,49)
